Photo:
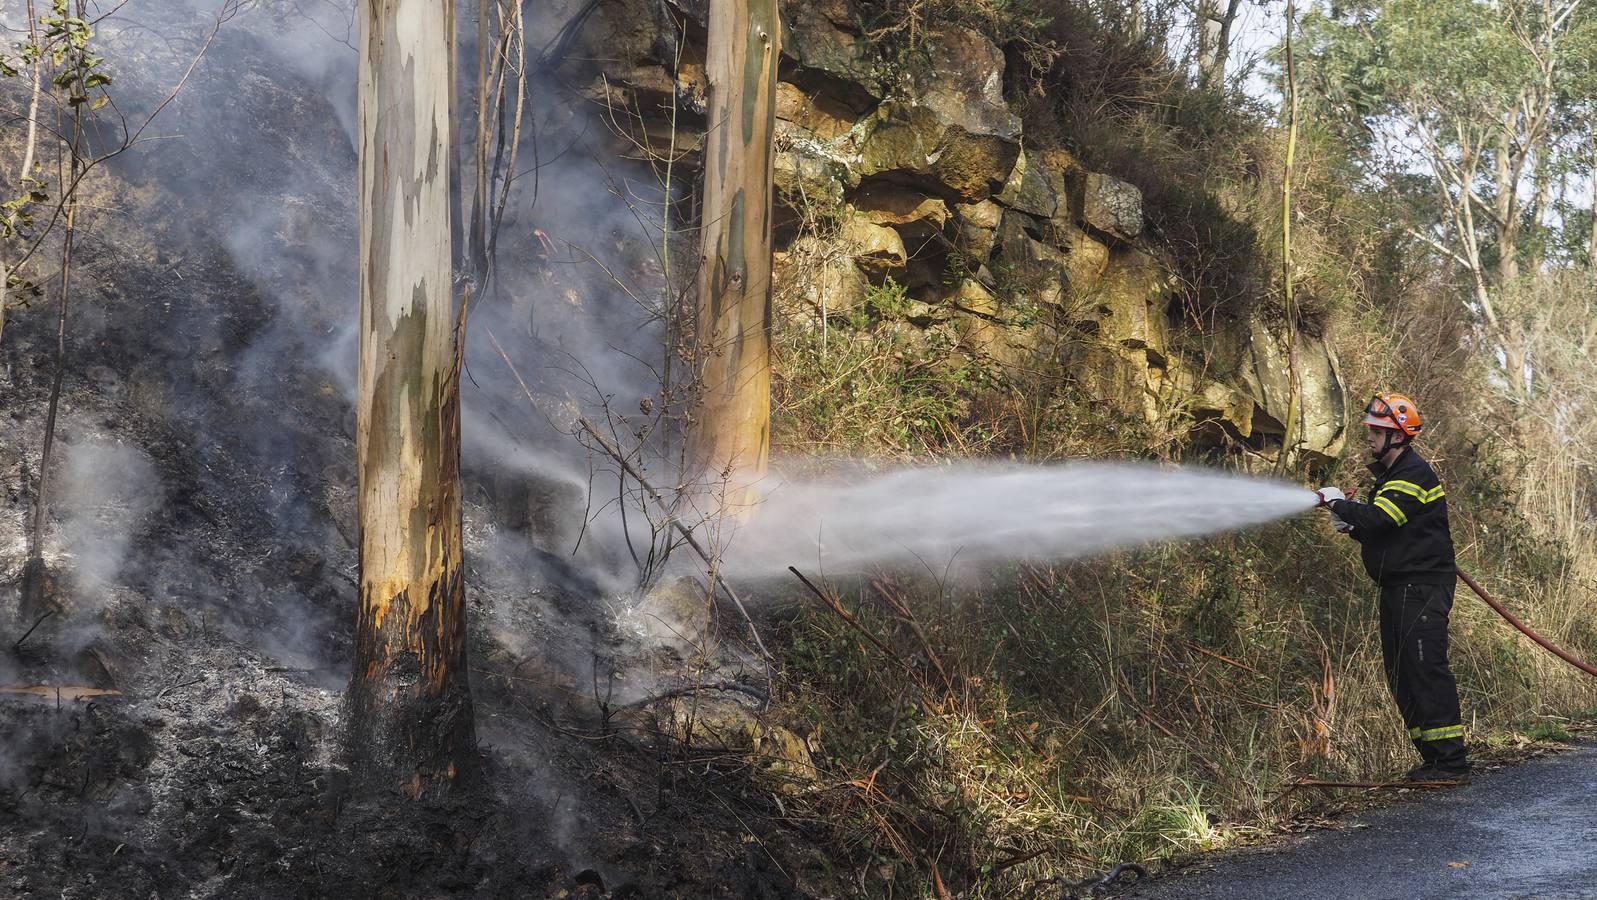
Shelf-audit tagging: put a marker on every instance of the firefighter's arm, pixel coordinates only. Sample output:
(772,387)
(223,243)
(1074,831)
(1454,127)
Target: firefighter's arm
(1390,510)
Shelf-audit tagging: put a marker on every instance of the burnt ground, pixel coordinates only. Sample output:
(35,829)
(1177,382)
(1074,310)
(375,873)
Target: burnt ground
(201,546)
(1522,832)
(208,586)
(215,773)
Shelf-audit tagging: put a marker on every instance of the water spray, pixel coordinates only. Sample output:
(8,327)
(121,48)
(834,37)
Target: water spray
(975,513)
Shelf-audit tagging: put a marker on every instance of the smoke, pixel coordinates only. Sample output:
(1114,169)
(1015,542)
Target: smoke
(247,186)
(109,489)
(962,516)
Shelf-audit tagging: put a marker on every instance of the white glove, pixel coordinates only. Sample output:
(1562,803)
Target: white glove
(1327,494)
(1341,526)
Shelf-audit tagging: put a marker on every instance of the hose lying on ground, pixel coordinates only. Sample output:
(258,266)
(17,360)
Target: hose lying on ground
(1548,645)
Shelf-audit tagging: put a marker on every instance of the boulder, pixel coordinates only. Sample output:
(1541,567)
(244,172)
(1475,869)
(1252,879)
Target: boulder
(1264,374)
(673,614)
(825,281)
(1130,302)
(1039,269)
(831,61)
(1111,206)
(976,227)
(614,39)
(813,113)
(876,249)
(983,332)
(920,220)
(806,179)
(897,206)
(1032,187)
(705,722)
(1217,406)
(960,76)
(1086,259)
(1119,378)
(955,135)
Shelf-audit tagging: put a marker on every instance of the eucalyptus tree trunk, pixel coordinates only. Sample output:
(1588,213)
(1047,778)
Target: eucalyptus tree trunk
(1214,41)
(409,705)
(1591,239)
(1505,207)
(30,142)
(730,439)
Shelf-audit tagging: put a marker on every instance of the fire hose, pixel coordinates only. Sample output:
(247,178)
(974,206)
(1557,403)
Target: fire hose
(1549,646)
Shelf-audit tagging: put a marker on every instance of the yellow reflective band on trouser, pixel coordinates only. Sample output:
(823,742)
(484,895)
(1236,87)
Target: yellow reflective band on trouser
(1414,733)
(1437,734)
(1390,508)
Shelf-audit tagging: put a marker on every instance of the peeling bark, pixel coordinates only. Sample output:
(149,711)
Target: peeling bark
(409,704)
(730,440)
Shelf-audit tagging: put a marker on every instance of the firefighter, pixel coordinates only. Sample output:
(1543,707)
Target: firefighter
(1407,548)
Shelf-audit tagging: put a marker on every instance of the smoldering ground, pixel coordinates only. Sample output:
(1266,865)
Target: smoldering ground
(206,519)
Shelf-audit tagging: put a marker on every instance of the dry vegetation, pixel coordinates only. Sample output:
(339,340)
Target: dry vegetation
(987,737)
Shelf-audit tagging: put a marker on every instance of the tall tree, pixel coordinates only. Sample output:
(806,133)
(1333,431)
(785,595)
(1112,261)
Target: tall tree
(409,704)
(1215,27)
(730,439)
(1465,91)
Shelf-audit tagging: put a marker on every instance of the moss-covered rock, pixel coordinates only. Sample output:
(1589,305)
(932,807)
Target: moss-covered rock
(952,132)
(1130,303)
(1032,187)
(1263,370)
(976,228)
(823,280)
(776,752)
(983,330)
(1034,267)
(830,59)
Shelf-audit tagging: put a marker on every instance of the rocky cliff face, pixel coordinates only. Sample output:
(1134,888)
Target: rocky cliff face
(920,172)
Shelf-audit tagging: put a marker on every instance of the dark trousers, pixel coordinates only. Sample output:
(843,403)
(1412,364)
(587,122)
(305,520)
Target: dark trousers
(1414,645)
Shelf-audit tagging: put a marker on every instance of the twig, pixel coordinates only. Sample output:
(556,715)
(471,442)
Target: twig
(1013,861)
(18,645)
(836,606)
(1225,659)
(754,692)
(175,685)
(615,453)
(902,609)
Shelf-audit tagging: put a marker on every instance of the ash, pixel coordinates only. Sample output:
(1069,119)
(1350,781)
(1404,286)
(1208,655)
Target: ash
(183,740)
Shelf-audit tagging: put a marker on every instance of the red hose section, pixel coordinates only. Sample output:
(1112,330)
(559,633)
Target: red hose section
(1549,645)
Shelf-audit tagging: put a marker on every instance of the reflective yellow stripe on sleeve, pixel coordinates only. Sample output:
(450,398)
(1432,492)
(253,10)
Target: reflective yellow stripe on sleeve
(1441,734)
(1413,490)
(1390,508)
(1404,487)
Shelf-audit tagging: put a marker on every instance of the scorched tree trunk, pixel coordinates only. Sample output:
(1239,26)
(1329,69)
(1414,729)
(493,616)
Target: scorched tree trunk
(409,706)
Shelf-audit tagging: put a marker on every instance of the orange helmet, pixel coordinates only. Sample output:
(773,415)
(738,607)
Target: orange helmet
(1394,411)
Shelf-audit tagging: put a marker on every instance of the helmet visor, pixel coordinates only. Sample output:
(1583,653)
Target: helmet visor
(1379,413)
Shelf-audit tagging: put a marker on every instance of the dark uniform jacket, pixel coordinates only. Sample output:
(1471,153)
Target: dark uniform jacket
(1403,530)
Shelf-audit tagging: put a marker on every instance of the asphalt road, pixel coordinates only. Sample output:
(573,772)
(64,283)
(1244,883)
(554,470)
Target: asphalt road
(1528,831)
